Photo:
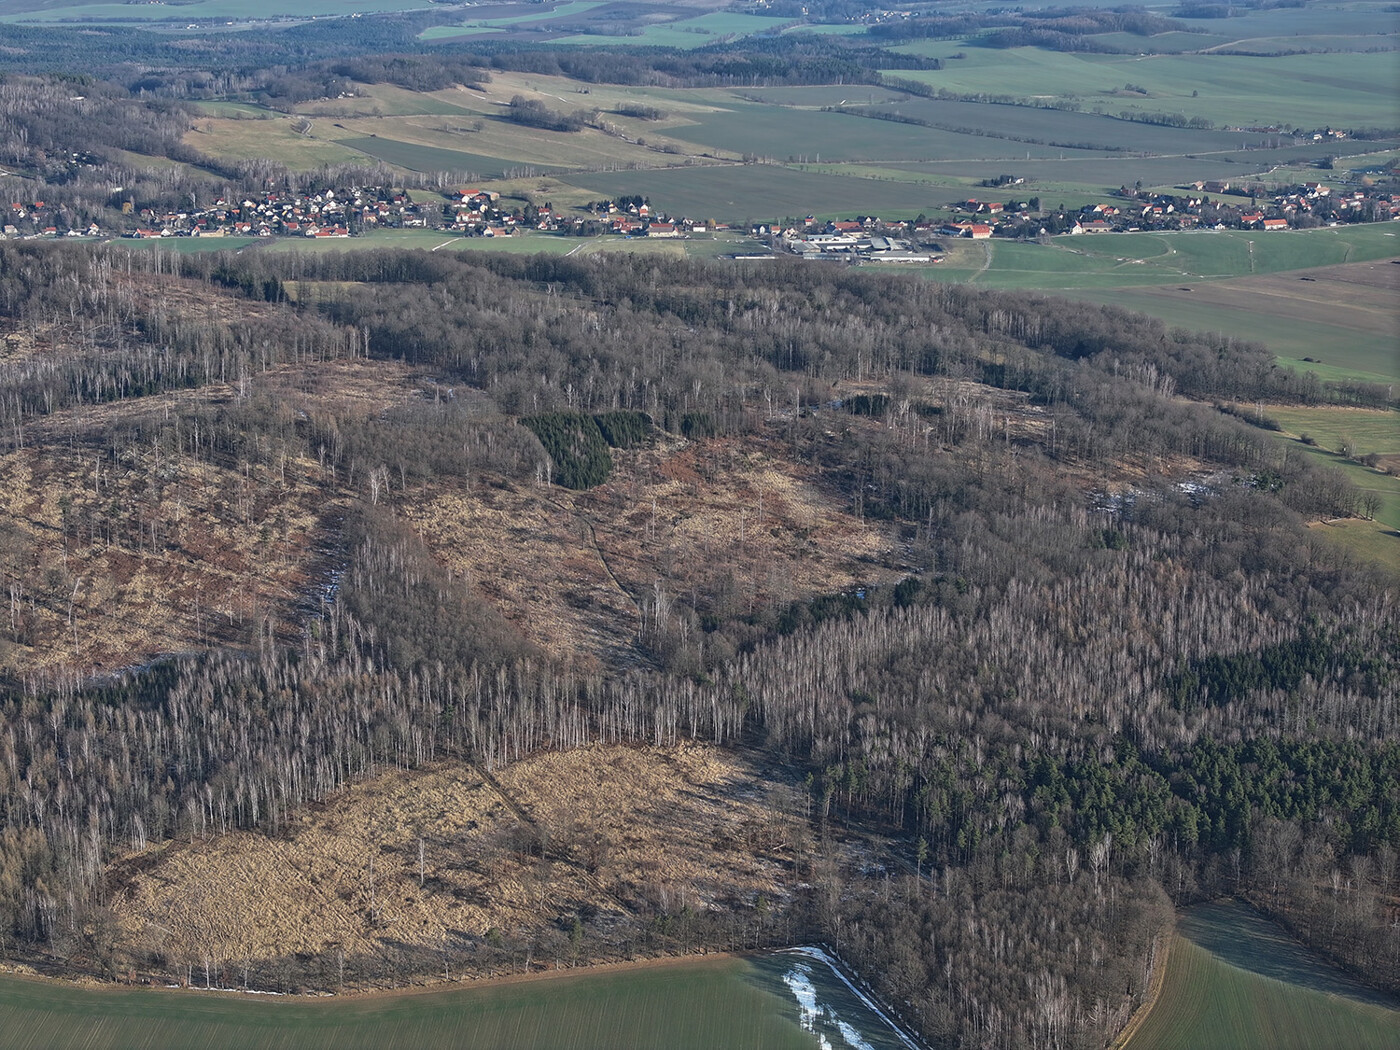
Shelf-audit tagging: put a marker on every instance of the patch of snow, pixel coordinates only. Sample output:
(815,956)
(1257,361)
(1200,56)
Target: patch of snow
(819,955)
(799,981)
(852,1037)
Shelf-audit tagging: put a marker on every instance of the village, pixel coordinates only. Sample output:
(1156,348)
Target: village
(353,211)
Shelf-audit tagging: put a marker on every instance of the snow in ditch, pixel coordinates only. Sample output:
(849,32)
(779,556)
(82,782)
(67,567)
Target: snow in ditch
(852,1037)
(799,982)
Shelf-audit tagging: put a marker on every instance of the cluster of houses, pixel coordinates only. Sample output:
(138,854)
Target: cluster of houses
(480,212)
(37,219)
(332,213)
(1202,205)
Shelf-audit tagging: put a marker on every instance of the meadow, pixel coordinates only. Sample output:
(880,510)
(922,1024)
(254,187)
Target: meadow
(1365,430)
(1338,322)
(687,33)
(198,11)
(1324,344)
(415,157)
(1235,980)
(699,1003)
(839,163)
(765,192)
(1308,90)
(1328,429)
(472,27)
(1111,261)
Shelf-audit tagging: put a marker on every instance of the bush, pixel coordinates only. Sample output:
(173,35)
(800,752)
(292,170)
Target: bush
(535,114)
(641,112)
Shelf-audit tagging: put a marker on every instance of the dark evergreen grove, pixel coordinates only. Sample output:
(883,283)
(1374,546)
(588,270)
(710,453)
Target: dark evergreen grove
(1071,713)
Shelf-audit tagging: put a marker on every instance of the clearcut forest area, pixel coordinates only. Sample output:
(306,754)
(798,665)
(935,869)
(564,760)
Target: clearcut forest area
(758,524)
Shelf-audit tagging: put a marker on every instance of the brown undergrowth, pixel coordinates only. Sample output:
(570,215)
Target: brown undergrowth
(450,852)
(723,520)
(117,551)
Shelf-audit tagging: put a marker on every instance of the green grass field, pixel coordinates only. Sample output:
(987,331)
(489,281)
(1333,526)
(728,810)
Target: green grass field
(765,192)
(701,1004)
(201,12)
(413,157)
(717,246)
(553,11)
(1337,350)
(1368,430)
(1129,259)
(1235,982)
(1311,90)
(688,33)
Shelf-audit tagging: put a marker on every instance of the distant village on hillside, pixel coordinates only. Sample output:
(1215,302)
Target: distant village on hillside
(353,211)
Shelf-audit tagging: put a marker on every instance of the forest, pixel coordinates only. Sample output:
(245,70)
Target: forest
(1107,669)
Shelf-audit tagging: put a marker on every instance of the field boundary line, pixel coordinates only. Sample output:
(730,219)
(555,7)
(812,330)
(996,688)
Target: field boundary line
(1154,991)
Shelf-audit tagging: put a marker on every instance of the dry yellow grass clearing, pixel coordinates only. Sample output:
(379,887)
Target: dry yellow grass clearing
(623,829)
(737,523)
(117,552)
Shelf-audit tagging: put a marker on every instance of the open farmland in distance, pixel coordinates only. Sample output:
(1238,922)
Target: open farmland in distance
(1128,259)
(1066,158)
(1341,322)
(1235,90)
(415,157)
(688,33)
(199,11)
(1235,980)
(764,192)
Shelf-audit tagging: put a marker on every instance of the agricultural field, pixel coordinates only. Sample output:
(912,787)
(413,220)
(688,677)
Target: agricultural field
(1341,322)
(196,12)
(1310,90)
(1234,979)
(719,245)
(459,130)
(688,33)
(690,1003)
(1066,158)
(1132,259)
(765,192)
(241,138)
(475,26)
